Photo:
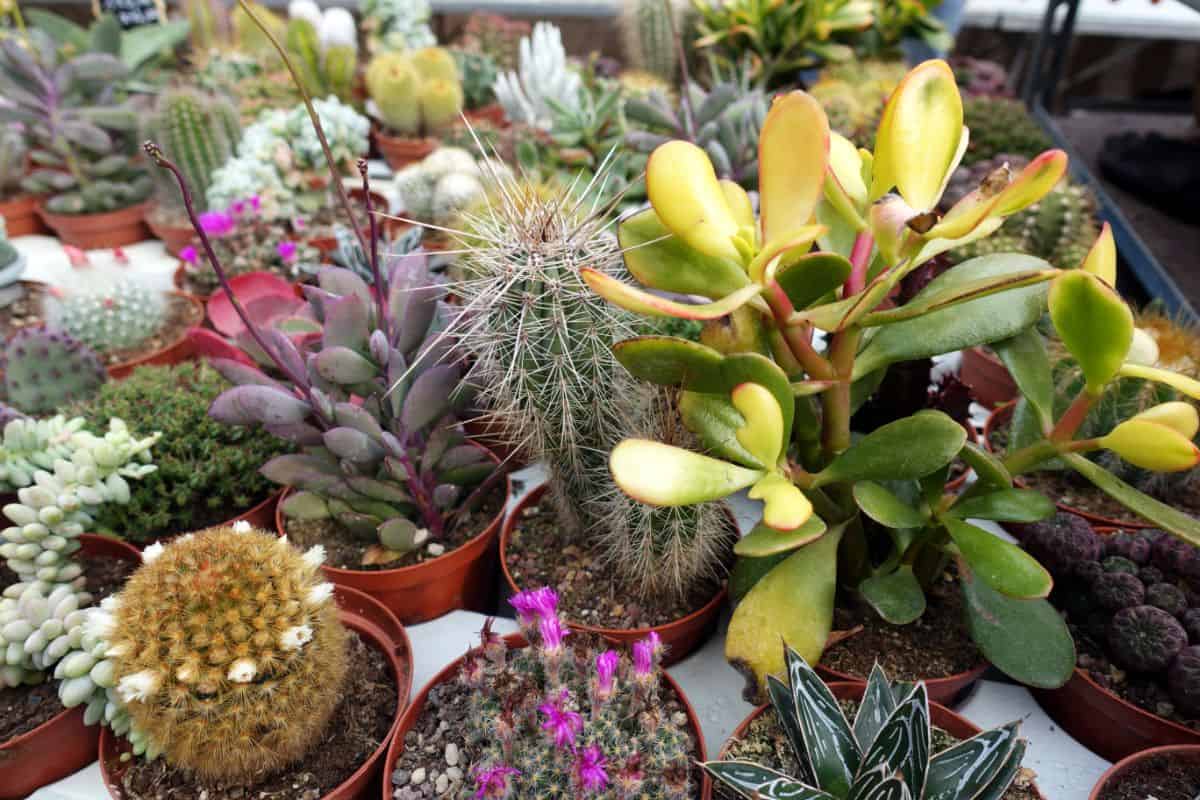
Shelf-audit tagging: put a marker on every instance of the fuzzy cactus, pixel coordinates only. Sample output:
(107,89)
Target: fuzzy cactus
(415,97)
(45,369)
(441,103)
(542,78)
(224,651)
(107,319)
(1145,638)
(1063,541)
(562,719)
(477,71)
(200,132)
(435,64)
(648,35)
(1114,591)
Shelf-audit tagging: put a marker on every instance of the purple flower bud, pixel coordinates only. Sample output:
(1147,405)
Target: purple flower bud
(589,769)
(606,671)
(534,605)
(255,202)
(561,723)
(646,654)
(493,782)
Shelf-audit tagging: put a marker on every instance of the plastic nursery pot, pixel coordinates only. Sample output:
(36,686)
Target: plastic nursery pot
(1187,753)
(681,637)
(493,113)
(21,217)
(174,237)
(63,745)
(417,707)
(940,716)
(380,627)
(986,377)
(461,578)
(948,691)
(399,151)
(172,353)
(95,231)
(1001,417)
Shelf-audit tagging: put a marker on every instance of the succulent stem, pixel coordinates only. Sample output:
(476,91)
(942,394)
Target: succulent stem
(860,257)
(381,299)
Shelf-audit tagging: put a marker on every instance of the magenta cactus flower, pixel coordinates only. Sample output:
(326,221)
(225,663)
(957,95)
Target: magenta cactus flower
(562,723)
(189,254)
(553,633)
(286,251)
(535,605)
(493,782)
(607,664)
(217,223)
(589,769)
(646,654)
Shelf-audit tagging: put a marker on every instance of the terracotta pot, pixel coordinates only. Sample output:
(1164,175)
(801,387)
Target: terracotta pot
(21,217)
(1000,417)
(173,353)
(941,717)
(174,237)
(681,637)
(948,691)
(462,578)
(961,480)
(1187,753)
(63,745)
(1102,722)
(399,152)
(95,231)
(493,113)
(986,377)
(359,613)
(415,709)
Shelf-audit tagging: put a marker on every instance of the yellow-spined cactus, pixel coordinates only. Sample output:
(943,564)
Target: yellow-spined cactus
(227,652)
(441,103)
(435,64)
(394,84)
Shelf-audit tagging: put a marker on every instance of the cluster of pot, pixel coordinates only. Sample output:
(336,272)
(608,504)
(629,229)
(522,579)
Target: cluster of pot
(1137,594)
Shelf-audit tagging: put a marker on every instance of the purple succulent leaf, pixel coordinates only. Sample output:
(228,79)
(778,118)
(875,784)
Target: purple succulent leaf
(429,397)
(387,491)
(407,271)
(346,324)
(444,436)
(343,282)
(413,313)
(398,381)
(318,299)
(299,433)
(303,471)
(352,416)
(467,475)
(268,308)
(343,366)
(285,350)
(264,405)
(379,348)
(241,374)
(322,402)
(88,136)
(398,534)
(446,495)
(294,326)
(461,456)
(362,526)
(396,469)
(352,445)
(392,445)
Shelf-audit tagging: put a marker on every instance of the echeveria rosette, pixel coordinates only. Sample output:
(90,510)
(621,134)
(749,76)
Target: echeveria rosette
(885,752)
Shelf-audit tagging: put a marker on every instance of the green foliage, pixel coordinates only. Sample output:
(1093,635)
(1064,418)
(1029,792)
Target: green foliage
(648,35)
(107,319)
(1001,125)
(199,133)
(13,151)
(478,72)
(140,49)
(207,471)
(45,369)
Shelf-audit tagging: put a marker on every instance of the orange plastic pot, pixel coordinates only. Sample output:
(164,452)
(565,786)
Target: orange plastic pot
(95,231)
(948,691)
(399,151)
(462,578)
(957,726)
(492,113)
(681,637)
(417,707)
(380,627)
(62,745)
(174,237)
(21,217)
(987,377)
(1189,753)
(173,353)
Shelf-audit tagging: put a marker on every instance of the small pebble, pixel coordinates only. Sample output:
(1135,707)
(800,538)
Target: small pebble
(442,784)
(452,754)
(436,548)
(418,775)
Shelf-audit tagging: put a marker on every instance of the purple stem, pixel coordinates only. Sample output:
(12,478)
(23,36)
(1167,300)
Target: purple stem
(422,496)
(381,288)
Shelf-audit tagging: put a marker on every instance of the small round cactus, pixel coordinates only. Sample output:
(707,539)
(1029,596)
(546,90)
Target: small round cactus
(1117,590)
(1177,557)
(1063,541)
(227,652)
(1145,638)
(1150,574)
(1183,681)
(1167,596)
(45,369)
(115,318)
(1088,572)
(1131,546)
(1190,619)
(1119,564)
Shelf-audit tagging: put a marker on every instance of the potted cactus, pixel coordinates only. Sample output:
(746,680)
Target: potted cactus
(46,369)
(82,140)
(478,72)
(774,411)
(436,190)
(417,96)
(561,716)
(323,46)
(897,745)
(17,207)
(270,671)
(50,573)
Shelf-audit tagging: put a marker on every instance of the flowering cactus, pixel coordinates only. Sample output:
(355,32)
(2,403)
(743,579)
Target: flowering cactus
(561,719)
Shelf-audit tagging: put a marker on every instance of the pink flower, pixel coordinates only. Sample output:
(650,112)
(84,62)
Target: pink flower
(589,769)
(645,655)
(215,223)
(255,203)
(606,671)
(535,605)
(286,251)
(238,208)
(553,632)
(298,224)
(189,254)
(561,722)
(493,782)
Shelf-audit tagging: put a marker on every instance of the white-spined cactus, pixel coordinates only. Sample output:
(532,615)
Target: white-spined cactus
(543,76)
(438,189)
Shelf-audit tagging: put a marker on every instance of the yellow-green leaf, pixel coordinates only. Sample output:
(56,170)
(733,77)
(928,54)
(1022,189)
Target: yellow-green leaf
(1152,445)
(1005,567)
(761,432)
(640,301)
(683,188)
(767,541)
(661,475)
(1182,383)
(1175,414)
(1101,260)
(793,151)
(785,508)
(660,260)
(739,203)
(1093,322)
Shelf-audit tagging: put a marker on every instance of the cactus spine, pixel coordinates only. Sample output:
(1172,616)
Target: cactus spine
(45,369)
(648,36)
(199,133)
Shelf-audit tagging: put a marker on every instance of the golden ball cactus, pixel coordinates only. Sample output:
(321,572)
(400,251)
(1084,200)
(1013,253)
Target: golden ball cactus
(228,652)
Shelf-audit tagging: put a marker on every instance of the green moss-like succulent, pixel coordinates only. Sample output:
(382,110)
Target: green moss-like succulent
(207,471)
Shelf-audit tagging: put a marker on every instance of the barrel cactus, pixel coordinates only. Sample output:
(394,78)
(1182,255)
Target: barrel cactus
(112,318)
(648,33)
(416,94)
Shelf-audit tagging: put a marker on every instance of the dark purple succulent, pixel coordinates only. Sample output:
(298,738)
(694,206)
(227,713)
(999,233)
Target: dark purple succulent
(1088,572)
(1183,681)
(1190,619)
(1176,557)
(1116,590)
(1145,638)
(1150,574)
(1062,542)
(1119,564)
(1167,596)
(1134,547)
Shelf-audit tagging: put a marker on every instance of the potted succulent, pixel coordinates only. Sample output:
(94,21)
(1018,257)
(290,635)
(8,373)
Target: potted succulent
(417,97)
(542,80)
(200,132)
(323,47)
(549,714)
(397,25)
(899,744)
(780,424)
(271,671)
(44,370)
(1170,771)
(51,572)
(436,190)
(478,72)
(81,141)
(17,207)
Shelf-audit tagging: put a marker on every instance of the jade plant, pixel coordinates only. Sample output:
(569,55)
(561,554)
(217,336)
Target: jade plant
(773,410)
(885,752)
(563,718)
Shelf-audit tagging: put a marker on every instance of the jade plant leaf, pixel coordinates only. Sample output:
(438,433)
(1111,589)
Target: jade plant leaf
(906,449)
(753,781)
(975,322)
(1004,566)
(807,279)
(662,475)
(713,418)
(646,303)
(668,361)
(832,751)
(1025,357)
(748,571)
(1094,323)
(878,503)
(660,260)
(785,508)
(1151,445)
(967,768)
(896,596)
(1101,260)
(793,150)
(683,188)
(989,470)
(767,541)
(1161,514)
(1005,505)
(1025,639)
(761,432)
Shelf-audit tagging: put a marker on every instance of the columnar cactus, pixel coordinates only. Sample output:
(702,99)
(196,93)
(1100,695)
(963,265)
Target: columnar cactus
(224,652)
(45,369)
(199,131)
(111,318)
(323,47)
(648,35)
(561,719)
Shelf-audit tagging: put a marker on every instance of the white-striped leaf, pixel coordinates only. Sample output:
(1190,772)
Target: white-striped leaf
(877,705)
(760,783)
(903,742)
(833,753)
(967,768)
(785,712)
(999,785)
